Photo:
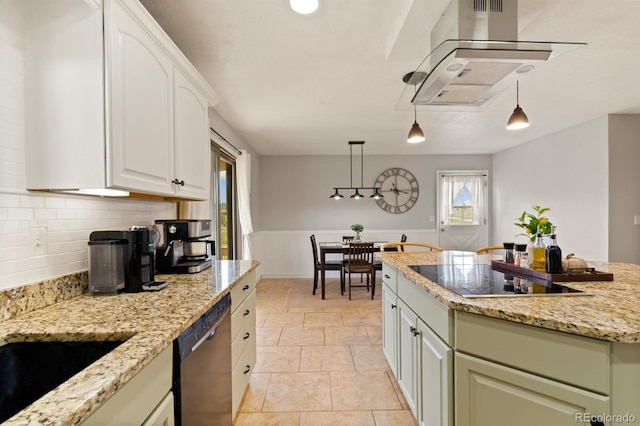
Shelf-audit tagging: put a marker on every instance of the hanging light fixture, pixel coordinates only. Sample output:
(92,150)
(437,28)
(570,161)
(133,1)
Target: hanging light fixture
(416,135)
(357,194)
(518,119)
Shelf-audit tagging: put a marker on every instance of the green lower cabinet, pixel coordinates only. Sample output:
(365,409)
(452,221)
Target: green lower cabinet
(490,394)
(435,390)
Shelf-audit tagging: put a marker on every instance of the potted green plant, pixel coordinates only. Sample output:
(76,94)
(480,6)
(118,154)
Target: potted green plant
(357,228)
(534,224)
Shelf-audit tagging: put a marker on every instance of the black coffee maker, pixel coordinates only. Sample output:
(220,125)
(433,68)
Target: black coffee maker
(138,256)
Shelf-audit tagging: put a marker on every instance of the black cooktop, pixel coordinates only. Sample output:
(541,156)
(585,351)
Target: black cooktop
(478,280)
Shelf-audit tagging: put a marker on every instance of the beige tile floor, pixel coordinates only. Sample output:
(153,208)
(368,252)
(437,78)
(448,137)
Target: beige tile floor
(320,362)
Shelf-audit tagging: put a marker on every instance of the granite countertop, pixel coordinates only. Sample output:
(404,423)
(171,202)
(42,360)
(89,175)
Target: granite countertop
(610,312)
(148,321)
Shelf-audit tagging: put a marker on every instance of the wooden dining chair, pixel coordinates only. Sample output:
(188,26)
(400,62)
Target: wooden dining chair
(402,246)
(329,265)
(360,261)
(487,249)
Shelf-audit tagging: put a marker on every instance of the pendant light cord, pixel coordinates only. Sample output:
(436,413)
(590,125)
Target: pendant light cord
(351,165)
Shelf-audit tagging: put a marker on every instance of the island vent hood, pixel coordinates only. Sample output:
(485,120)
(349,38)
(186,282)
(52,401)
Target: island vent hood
(467,72)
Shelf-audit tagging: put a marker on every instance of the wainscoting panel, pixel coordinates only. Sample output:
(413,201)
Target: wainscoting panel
(287,254)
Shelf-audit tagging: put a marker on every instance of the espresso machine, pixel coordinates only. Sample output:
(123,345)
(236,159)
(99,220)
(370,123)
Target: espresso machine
(184,247)
(136,255)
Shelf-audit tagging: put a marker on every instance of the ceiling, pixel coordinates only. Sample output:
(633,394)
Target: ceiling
(305,85)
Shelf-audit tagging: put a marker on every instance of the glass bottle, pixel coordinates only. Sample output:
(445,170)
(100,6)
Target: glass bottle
(539,255)
(508,252)
(520,250)
(554,256)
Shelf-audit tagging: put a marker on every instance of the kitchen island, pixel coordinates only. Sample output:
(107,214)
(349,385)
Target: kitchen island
(147,322)
(512,360)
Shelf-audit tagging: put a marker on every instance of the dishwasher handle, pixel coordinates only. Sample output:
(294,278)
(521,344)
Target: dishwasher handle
(206,337)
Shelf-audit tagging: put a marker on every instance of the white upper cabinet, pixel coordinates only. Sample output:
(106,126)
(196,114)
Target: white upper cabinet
(192,157)
(153,137)
(140,82)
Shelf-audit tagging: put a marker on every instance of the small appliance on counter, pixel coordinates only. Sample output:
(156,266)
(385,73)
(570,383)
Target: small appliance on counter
(183,247)
(106,267)
(131,251)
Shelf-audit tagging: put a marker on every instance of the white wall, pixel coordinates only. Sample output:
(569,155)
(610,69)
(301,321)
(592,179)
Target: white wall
(567,171)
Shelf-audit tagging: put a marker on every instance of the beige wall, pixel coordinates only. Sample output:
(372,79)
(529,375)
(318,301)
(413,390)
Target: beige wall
(624,196)
(295,190)
(566,171)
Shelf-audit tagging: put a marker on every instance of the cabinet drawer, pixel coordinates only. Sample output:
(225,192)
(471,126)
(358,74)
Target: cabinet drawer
(240,341)
(390,277)
(577,360)
(242,289)
(241,315)
(242,373)
(436,315)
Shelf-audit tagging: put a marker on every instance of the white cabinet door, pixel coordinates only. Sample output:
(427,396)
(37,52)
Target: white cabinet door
(389,327)
(192,150)
(140,146)
(407,355)
(435,403)
(489,394)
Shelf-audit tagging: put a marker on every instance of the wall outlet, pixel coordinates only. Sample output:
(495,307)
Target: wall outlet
(432,218)
(636,219)
(38,241)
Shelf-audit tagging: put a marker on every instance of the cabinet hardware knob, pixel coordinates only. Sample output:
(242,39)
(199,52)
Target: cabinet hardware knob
(247,312)
(246,287)
(414,331)
(247,370)
(386,276)
(393,306)
(246,336)
(178,182)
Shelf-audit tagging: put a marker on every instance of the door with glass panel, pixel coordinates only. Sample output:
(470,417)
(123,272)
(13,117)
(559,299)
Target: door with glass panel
(462,210)
(224,203)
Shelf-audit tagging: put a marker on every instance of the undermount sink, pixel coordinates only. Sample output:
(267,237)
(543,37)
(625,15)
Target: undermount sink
(28,370)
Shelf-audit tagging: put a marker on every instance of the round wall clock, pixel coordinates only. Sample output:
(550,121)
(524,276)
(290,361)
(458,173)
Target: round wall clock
(400,190)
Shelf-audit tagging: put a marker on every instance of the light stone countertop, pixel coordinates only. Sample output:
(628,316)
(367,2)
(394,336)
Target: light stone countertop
(610,312)
(149,321)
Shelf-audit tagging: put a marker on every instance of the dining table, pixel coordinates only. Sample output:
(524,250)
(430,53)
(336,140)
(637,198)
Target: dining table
(336,247)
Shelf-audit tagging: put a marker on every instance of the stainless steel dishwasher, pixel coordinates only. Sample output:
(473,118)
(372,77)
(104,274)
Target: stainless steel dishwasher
(202,369)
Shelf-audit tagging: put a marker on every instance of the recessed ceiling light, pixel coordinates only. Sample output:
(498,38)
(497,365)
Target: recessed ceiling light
(304,7)
(524,68)
(454,67)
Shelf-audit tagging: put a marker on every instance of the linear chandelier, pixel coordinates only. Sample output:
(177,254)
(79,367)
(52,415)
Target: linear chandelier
(356,195)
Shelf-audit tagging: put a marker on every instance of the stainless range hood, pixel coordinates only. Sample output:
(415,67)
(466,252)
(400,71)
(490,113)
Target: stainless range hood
(467,72)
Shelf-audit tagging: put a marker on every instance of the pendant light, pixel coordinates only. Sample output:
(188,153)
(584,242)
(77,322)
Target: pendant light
(416,135)
(518,119)
(357,194)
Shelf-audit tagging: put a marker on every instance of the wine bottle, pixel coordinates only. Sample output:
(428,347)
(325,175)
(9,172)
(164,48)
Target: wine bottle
(554,256)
